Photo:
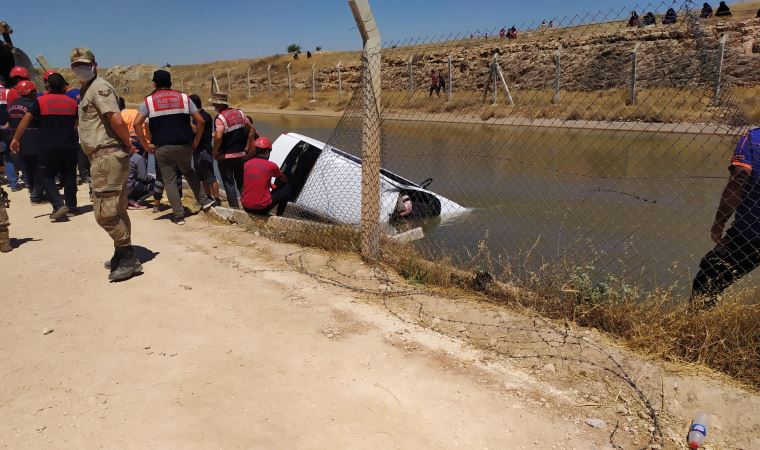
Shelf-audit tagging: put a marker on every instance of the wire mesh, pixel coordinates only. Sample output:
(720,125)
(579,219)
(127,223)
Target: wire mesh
(588,150)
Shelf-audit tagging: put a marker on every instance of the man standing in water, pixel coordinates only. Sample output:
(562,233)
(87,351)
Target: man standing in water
(105,140)
(737,253)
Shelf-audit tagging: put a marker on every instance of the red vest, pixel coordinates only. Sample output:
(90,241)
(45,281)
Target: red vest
(169,117)
(57,105)
(235,135)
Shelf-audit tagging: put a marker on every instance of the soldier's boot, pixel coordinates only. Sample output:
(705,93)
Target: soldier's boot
(113,262)
(5,242)
(128,265)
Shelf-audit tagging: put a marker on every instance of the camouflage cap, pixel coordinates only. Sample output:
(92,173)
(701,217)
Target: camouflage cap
(82,55)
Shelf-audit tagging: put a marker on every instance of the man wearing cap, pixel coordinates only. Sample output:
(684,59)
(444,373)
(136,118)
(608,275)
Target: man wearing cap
(233,137)
(56,114)
(172,140)
(105,140)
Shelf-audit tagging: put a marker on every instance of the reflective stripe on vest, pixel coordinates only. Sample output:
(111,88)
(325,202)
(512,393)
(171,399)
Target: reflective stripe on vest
(169,117)
(234,138)
(166,102)
(233,119)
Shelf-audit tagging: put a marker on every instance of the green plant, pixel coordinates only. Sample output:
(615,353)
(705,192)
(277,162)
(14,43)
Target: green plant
(294,48)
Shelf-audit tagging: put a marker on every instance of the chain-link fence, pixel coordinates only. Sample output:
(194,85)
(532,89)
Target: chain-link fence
(589,151)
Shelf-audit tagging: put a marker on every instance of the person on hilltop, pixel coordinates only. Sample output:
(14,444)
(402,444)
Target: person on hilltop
(633,21)
(258,198)
(435,83)
(670,18)
(503,33)
(706,12)
(512,33)
(173,142)
(202,159)
(233,136)
(723,10)
(56,115)
(649,20)
(737,251)
(105,140)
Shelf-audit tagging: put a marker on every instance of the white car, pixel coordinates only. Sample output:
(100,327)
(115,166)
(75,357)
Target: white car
(326,182)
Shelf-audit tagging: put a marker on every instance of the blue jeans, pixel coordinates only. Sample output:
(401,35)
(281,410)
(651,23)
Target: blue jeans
(10,168)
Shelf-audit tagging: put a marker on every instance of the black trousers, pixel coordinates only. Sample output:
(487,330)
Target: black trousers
(280,198)
(724,265)
(31,168)
(63,162)
(231,171)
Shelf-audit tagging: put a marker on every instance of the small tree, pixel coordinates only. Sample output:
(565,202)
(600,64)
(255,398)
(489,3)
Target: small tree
(294,48)
(319,49)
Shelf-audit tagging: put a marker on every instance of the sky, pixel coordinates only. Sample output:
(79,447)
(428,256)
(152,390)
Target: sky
(196,31)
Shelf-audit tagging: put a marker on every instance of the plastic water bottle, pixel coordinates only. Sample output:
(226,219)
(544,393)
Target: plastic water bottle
(698,430)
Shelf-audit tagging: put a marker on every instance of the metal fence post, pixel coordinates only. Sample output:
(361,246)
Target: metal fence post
(634,73)
(248,80)
(313,83)
(196,80)
(229,83)
(450,80)
(371,129)
(557,78)
(269,79)
(411,77)
(719,76)
(290,87)
(494,80)
(340,82)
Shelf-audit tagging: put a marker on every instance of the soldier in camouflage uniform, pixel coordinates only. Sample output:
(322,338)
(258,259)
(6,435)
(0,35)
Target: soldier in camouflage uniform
(5,241)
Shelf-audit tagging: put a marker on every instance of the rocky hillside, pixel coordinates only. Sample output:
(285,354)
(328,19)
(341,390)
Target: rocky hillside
(595,61)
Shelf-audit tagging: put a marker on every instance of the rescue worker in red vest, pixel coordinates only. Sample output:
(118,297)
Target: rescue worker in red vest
(58,144)
(17,75)
(28,151)
(172,139)
(233,138)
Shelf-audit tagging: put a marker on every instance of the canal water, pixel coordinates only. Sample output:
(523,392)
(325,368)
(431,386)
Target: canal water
(636,205)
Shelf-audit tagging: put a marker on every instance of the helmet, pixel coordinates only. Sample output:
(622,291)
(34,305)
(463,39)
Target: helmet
(48,73)
(20,72)
(25,87)
(263,143)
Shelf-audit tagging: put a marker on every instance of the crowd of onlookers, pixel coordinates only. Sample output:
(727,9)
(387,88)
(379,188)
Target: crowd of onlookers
(671,16)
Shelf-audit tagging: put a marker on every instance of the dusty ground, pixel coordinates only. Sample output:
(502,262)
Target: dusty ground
(230,340)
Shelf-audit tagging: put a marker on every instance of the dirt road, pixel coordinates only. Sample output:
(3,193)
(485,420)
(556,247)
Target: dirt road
(224,344)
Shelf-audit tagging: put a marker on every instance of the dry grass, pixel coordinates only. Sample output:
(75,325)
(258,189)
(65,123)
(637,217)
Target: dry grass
(725,339)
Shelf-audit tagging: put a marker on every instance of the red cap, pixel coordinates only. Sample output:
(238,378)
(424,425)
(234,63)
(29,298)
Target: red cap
(25,87)
(48,73)
(693,445)
(263,143)
(20,72)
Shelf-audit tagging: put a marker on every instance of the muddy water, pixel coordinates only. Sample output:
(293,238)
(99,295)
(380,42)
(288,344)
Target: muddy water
(638,205)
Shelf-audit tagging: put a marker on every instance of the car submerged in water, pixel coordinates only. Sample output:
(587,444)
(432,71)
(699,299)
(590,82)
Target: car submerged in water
(326,182)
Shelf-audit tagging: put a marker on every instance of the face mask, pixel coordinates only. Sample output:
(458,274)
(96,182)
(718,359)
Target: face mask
(84,73)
